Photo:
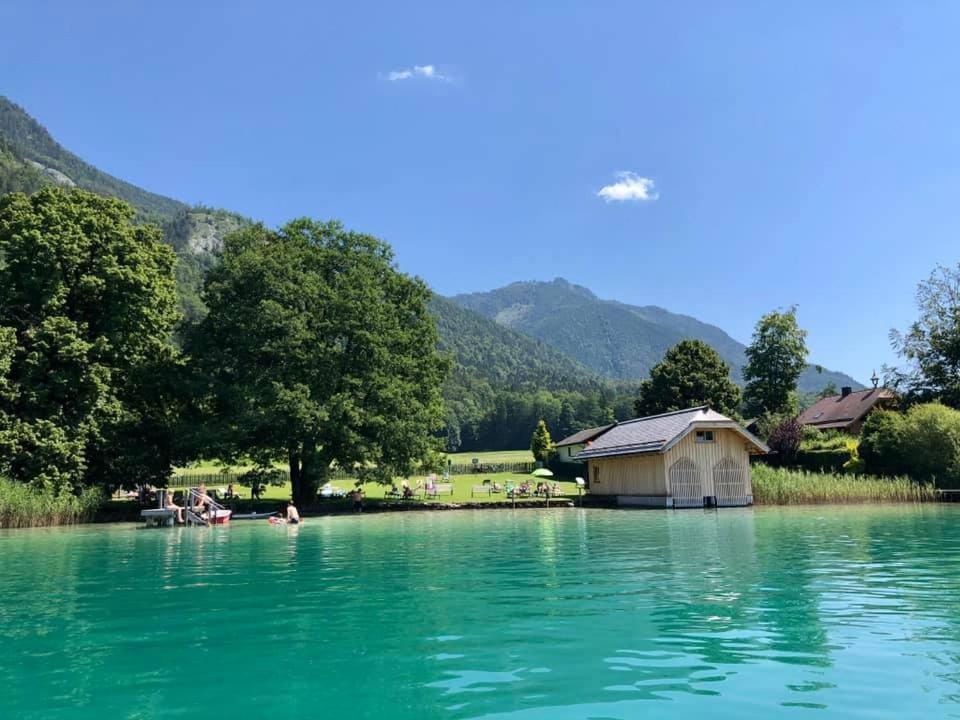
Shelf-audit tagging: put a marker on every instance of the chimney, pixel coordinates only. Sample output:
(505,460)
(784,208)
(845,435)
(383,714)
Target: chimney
(845,390)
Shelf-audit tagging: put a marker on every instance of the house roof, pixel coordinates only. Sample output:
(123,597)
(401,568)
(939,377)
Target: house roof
(838,411)
(658,433)
(584,435)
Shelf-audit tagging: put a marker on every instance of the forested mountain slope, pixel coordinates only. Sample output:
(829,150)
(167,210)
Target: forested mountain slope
(520,353)
(614,339)
(502,382)
(30,158)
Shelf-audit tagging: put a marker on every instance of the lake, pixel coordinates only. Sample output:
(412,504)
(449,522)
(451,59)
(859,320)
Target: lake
(561,614)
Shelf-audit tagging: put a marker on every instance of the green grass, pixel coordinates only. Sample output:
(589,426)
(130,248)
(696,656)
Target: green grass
(462,488)
(492,456)
(781,486)
(24,506)
(465,458)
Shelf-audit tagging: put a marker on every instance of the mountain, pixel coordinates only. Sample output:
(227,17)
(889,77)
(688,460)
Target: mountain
(614,339)
(503,357)
(502,382)
(521,353)
(30,158)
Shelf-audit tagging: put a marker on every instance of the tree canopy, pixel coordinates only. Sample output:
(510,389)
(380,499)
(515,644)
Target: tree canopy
(317,351)
(776,356)
(691,373)
(931,345)
(87,308)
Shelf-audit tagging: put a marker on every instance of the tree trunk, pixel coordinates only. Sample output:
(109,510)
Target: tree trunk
(314,472)
(296,478)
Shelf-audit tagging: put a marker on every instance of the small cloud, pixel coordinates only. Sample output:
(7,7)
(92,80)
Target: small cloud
(428,72)
(629,186)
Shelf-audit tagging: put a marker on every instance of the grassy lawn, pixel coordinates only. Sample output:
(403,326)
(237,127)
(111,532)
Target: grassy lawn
(492,456)
(462,488)
(466,458)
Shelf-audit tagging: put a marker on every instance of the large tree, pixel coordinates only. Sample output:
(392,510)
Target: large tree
(87,308)
(691,373)
(316,351)
(931,345)
(775,358)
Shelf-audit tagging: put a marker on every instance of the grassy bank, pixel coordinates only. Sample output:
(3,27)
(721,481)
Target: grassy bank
(23,506)
(780,486)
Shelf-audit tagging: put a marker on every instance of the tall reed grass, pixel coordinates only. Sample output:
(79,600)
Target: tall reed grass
(782,486)
(24,506)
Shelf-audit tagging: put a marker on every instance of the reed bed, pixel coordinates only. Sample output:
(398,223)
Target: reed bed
(782,486)
(24,506)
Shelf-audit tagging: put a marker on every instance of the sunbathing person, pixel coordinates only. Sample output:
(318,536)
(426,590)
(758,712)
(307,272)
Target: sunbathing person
(201,499)
(169,504)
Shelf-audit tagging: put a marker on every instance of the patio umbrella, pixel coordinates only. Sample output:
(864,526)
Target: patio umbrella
(542,472)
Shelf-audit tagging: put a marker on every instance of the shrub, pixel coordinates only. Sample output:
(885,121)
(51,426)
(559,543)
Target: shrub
(924,443)
(814,439)
(931,443)
(881,439)
(785,439)
(822,460)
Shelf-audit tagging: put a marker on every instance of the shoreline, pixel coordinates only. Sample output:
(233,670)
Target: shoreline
(114,514)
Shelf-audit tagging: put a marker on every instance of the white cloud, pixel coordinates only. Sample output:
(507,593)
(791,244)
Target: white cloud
(629,186)
(425,71)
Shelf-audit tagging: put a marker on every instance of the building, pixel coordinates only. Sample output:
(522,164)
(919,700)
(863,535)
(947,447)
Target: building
(688,458)
(568,448)
(846,411)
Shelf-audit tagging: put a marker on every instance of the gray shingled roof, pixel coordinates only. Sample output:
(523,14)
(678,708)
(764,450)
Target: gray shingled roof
(655,433)
(584,435)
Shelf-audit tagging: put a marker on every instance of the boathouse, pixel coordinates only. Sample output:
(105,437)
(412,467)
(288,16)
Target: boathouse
(687,458)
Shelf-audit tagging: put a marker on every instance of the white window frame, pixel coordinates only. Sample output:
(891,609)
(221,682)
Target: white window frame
(704,436)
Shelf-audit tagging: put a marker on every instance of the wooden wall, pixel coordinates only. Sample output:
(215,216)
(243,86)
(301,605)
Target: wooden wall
(629,475)
(727,443)
(647,474)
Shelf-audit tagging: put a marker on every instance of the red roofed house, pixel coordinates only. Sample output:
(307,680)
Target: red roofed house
(846,411)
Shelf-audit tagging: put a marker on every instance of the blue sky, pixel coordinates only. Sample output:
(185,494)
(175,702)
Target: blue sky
(769,153)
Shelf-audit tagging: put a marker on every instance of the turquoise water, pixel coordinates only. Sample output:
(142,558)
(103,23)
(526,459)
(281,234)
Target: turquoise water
(819,613)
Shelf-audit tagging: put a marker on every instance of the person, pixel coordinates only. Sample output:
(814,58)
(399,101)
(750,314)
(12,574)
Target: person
(293,515)
(357,499)
(230,494)
(201,499)
(169,504)
(255,490)
(407,492)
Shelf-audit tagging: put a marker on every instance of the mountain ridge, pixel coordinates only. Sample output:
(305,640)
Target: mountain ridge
(615,339)
(570,337)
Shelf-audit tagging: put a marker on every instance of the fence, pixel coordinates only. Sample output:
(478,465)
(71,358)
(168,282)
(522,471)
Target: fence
(188,478)
(521,468)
